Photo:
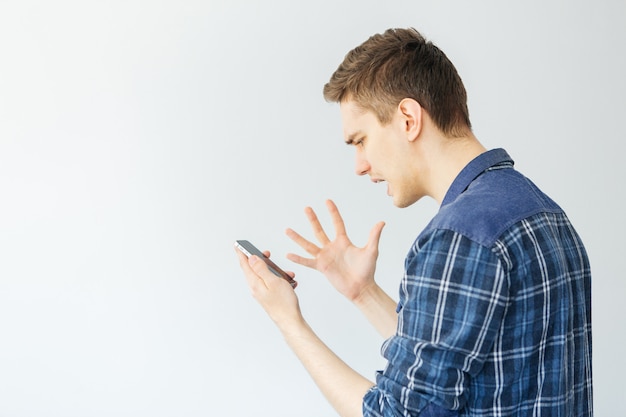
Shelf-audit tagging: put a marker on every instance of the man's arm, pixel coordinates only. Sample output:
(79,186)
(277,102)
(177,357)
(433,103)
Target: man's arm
(343,387)
(453,297)
(349,269)
(379,309)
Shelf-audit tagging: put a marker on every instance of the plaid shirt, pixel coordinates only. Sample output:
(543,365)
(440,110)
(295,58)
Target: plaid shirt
(494,313)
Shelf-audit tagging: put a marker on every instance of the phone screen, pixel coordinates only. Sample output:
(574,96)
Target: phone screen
(249,249)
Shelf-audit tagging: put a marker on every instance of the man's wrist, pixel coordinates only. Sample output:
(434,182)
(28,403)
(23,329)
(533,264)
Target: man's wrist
(292,325)
(368,294)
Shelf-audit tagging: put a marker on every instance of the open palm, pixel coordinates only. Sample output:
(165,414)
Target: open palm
(350,269)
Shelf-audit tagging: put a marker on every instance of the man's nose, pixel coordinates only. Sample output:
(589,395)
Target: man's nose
(362,167)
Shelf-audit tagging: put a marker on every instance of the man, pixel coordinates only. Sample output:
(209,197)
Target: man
(494,310)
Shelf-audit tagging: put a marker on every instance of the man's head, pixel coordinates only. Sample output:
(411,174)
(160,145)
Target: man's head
(399,64)
(403,107)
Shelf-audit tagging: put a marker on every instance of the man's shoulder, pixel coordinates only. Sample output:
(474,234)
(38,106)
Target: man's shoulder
(493,202)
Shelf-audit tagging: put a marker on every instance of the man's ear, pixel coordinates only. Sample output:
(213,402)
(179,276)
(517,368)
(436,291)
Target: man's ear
(411,113)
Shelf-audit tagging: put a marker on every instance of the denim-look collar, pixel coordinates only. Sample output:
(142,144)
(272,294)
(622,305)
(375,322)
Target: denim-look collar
(472,170)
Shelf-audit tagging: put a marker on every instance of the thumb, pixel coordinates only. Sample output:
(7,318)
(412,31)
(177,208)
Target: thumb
(258,266)
(375,233)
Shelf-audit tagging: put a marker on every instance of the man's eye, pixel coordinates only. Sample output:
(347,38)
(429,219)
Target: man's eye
(358,142)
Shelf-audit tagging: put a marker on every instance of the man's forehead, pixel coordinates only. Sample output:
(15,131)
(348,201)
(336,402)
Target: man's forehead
(351,108)
(353,117)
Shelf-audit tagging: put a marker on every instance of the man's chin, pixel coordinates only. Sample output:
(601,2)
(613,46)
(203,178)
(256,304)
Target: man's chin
(403,202)
(399,202)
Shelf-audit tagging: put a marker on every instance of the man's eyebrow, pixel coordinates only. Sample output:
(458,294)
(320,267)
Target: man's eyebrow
(350,139)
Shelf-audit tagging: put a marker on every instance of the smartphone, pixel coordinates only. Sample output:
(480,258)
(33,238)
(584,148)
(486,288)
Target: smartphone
(249,249)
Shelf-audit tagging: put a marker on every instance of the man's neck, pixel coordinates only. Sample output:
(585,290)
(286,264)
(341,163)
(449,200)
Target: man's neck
(450,156)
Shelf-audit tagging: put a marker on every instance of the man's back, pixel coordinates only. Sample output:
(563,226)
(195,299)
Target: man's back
(495,305)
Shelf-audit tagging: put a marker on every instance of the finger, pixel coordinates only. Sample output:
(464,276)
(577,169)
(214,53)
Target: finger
(338,223)
(252,278)
(267,253)
(261,269)
(302,242)
(374,238)
(309,263)
(243,260)
(318,230)
(270,280)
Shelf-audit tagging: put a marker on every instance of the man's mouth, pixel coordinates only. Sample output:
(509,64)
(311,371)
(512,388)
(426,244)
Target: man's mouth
(379,180)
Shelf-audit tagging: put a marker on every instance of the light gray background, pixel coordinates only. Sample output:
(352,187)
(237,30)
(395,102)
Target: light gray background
(139,139)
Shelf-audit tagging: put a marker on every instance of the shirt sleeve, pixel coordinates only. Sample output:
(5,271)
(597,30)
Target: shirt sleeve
(452,300)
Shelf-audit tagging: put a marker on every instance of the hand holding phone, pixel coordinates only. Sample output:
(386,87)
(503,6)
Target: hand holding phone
(249,249)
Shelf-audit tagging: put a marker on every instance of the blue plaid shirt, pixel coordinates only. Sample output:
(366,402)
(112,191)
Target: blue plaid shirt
(494,313)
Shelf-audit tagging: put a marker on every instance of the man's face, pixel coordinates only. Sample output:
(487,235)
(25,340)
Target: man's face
(382,152)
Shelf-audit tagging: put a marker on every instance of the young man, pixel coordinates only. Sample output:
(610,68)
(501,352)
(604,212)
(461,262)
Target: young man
(494,310)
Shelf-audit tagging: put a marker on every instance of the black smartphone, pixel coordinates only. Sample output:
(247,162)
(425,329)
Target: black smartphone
(249,249)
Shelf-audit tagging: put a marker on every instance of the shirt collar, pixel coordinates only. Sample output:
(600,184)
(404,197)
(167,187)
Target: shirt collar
(472,170)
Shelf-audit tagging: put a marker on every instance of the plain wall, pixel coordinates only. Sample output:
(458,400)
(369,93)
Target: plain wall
(139,139)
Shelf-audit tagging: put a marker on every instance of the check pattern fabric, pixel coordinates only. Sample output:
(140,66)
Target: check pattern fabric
(494,313)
